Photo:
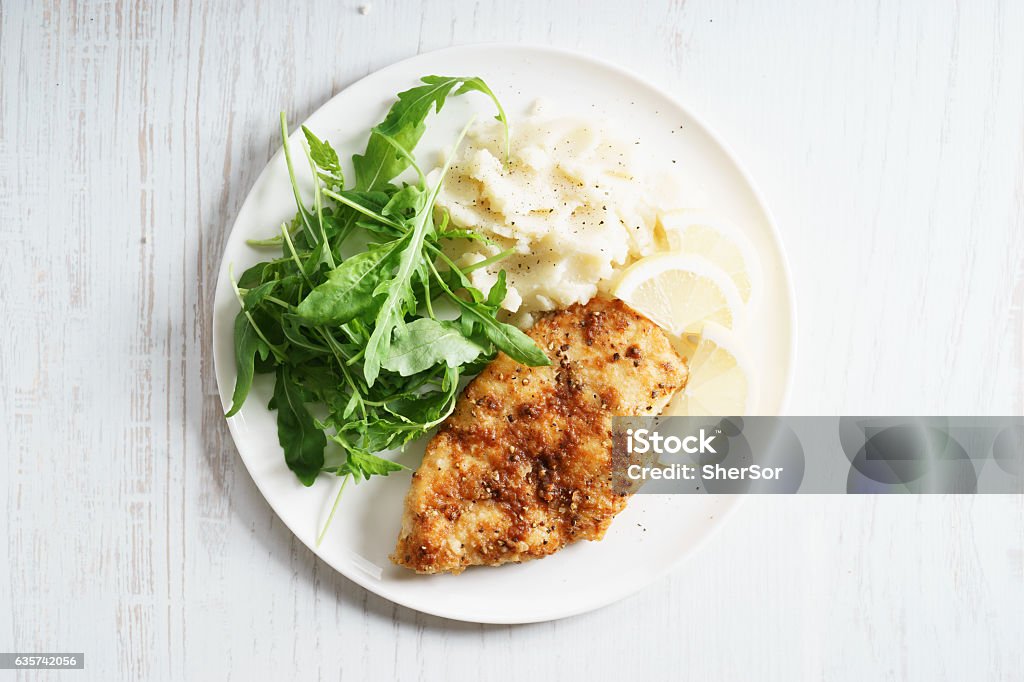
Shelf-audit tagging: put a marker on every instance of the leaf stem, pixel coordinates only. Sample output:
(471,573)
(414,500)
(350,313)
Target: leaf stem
(318,207)
(473,266)
(291,177)
(334,508)
(362,209)
(426,298)
(357,357)
(338,352)
(488,261)
(295,256)
(444,287)
(270,241)
(238,294)
(276,301)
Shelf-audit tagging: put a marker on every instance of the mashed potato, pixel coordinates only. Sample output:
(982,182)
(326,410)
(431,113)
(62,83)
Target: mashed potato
(572,202)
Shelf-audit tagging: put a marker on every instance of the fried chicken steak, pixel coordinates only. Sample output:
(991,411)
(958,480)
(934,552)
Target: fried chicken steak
(522,467)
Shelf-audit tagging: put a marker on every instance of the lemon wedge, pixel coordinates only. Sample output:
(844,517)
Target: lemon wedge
(702,234)
(680,292)
(720,382)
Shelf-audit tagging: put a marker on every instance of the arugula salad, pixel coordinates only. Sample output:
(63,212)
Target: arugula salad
(343,315)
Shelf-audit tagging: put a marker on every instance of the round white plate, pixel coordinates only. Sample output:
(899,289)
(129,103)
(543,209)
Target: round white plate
(655,532)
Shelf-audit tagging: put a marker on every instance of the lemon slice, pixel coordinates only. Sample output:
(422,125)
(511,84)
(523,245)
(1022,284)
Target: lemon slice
(720,383)
(705,235)
(680,292)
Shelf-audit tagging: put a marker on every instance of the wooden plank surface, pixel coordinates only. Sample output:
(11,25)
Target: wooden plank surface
(888,139)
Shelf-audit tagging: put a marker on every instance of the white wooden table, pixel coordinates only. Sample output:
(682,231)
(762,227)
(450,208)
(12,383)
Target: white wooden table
(888,139)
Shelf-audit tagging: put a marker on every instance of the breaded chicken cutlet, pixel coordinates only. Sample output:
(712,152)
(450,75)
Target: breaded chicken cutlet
(522,467)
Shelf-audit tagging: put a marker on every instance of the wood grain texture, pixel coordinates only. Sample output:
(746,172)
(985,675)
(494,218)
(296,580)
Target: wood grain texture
(888,139)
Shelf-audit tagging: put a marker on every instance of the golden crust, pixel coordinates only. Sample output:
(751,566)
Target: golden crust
(523,465)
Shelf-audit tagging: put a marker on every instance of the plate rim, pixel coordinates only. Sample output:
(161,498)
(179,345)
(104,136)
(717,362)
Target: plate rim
(733,503)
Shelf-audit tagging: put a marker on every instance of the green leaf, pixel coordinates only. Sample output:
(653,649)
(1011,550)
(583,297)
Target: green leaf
(455,279)
(467,234)
(405,203)
(479,85)
(351,406)
(255,296)
(424,343)
(498,291)
(401,294)
(297,431)
(373,435)
(247,345)
(379,345)
(365,465)
(256,275)
(373,202)
(404,124)
(385,231)
(508,339)
(324,157)
(295,333)
(426,410)
(400,299)
(349,291)
(248,342)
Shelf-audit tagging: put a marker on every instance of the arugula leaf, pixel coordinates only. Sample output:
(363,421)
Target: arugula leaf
(401,298)
(404,203)
(248,343)
(373,435)
(404,124)
(326,159)
(373,202)
(467,234)
(498,291)
(479,314)
(349,290)
(296,335)
(256,275)
(424,343)
(297,432)
(363,464)
(425,411)
(401,294)
(507,338)
(478,85)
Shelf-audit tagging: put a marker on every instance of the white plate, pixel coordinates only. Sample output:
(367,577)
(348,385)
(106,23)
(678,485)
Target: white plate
(655,532)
